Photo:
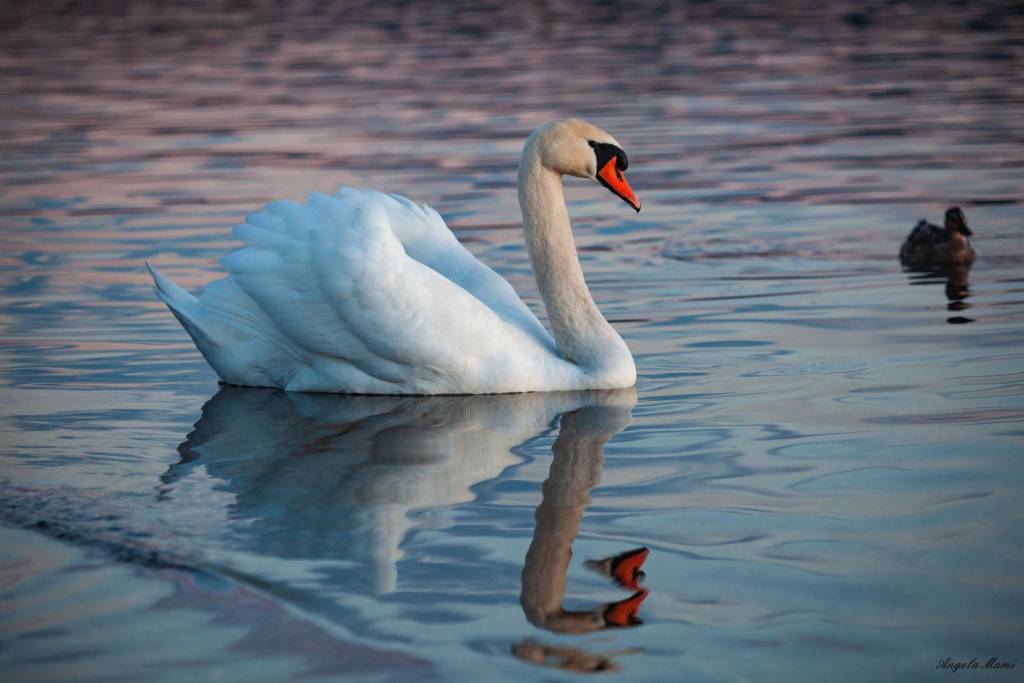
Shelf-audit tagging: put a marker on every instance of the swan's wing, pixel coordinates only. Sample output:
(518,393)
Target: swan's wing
(335,279)
(426,238)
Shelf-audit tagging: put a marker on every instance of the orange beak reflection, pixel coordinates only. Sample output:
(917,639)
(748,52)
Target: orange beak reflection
(624,612)
(626,568)
(611,177)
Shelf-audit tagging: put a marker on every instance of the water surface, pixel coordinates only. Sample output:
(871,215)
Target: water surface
(822,453)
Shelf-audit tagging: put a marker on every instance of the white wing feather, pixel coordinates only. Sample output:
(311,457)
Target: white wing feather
(368,292)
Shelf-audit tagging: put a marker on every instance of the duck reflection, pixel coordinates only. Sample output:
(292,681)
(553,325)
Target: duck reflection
(575,470)
(316,476)
(955,277)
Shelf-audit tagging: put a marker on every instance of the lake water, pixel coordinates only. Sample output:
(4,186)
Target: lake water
(823,452)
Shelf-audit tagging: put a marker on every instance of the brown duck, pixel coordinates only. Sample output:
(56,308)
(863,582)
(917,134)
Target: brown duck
(929,244)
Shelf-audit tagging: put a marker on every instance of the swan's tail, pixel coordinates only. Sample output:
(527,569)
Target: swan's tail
(183,305)
(179,301)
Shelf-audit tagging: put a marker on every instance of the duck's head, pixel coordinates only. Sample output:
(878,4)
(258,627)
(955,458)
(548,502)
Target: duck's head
(957,222)
(577,148)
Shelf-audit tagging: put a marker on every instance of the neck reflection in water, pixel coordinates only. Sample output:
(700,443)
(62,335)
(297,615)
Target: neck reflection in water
(575,470)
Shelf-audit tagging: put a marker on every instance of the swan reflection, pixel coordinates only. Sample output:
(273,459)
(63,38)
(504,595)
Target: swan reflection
(318,476)
(956,279)
(575,470)
(329,476)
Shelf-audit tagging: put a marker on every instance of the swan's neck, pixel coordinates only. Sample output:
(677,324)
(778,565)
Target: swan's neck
(582,333)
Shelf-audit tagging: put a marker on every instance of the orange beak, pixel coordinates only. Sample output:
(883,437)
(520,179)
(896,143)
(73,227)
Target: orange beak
(611,177)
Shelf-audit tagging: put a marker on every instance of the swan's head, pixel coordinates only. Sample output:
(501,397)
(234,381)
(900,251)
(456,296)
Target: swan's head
(956,221)
(577,148)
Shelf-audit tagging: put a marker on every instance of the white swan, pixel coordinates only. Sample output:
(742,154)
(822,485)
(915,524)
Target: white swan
(369,293)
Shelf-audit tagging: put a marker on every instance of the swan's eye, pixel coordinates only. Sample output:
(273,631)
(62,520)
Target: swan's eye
(604,151)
